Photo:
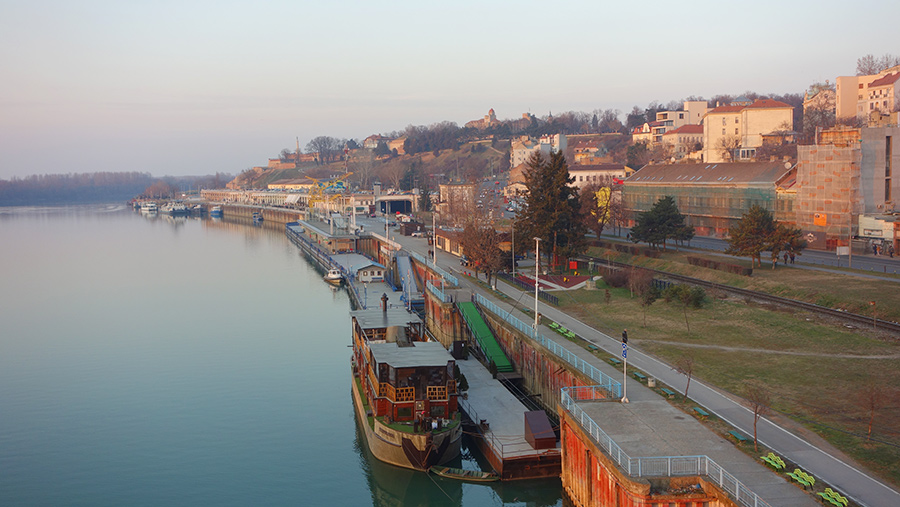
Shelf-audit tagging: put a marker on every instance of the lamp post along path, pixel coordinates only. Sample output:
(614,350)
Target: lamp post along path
(537,278)
(625,366)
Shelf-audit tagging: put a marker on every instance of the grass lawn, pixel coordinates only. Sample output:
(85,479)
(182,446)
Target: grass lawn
(815,369)
(845,292)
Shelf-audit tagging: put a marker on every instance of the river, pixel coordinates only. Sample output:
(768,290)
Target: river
(180,361)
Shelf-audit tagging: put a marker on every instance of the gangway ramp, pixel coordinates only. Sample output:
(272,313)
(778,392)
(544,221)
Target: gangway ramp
(484,336)
(408,281)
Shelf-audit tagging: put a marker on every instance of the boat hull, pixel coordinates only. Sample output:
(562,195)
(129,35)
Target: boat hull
(418,451)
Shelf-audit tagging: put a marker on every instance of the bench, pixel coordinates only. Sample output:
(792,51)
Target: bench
(592,348)
(640,376)
(833,497)
(702,413)
(802,477)
(615,361)
(774,461)
(553,325)
(740,437)
(670,393)
(570,334)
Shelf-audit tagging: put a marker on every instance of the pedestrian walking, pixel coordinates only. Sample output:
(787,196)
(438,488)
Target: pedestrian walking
(785,258)
(874,249)
(891,250)
(792,257)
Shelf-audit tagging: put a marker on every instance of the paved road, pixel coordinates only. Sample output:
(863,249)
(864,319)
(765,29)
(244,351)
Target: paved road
(854,483)
(874,264)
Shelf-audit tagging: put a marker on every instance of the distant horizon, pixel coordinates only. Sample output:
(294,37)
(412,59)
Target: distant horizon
(200,87)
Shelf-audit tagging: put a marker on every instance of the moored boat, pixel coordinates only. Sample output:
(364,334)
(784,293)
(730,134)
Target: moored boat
(334,276)
(257,216)
(175,208)
(216,212)
(404,393)
(149,207)
(465,475)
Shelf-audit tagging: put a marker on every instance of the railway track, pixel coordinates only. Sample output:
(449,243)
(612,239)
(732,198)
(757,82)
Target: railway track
(855,318)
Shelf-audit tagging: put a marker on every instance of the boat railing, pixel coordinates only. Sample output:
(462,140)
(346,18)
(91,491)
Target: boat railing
(502,448)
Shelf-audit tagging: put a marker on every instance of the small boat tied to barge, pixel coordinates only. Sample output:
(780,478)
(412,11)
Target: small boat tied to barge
(464,475)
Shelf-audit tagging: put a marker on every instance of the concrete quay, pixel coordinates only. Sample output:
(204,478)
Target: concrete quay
(503,440)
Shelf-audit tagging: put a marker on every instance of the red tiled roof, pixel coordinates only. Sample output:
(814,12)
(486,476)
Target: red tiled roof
(686,129)
(886,80)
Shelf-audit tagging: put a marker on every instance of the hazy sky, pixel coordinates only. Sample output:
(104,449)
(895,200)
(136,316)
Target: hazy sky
(194,87)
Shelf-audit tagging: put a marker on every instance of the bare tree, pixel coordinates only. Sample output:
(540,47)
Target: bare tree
(363,166)
(685,366)
(757,399)
(727,145)
(871,398)
(869,64)
(596,203)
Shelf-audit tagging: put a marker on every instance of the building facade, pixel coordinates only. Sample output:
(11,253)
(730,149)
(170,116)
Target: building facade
(735,131)
(712,197)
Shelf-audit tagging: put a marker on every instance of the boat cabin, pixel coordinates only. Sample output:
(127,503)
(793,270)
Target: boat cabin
(405,378)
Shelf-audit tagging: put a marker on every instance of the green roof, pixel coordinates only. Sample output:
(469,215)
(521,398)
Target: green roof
(485,338)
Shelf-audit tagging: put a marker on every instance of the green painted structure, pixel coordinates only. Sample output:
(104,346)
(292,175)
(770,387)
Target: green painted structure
(485,337)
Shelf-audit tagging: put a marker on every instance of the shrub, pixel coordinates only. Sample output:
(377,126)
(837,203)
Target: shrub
(616,278)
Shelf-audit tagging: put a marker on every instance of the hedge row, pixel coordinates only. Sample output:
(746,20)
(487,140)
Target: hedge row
(630,249)
(721,266)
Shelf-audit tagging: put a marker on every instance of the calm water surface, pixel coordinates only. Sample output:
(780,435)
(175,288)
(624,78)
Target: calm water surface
(160,361)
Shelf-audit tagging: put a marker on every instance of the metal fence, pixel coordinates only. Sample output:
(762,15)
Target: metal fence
(445,275)
(438,293)
(549,298)
(602,380)
(657,466)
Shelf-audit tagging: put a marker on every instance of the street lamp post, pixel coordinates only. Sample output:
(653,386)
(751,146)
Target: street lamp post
(625,366)
(537,278)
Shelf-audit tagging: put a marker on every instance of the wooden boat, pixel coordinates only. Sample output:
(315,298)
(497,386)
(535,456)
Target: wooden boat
(465,475)
(404,393)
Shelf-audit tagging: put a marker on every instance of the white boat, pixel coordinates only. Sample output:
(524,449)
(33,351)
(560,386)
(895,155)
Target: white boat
(216,211)
(175,208)
(149,207)
(334,276)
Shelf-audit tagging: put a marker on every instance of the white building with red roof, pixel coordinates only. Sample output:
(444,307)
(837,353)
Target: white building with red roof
(684,141)
(860,96)
(734,132)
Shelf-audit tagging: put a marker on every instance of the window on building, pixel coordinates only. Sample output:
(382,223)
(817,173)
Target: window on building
(723,132)
(680,116)
(735,131)
(723,120)
(736,119)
